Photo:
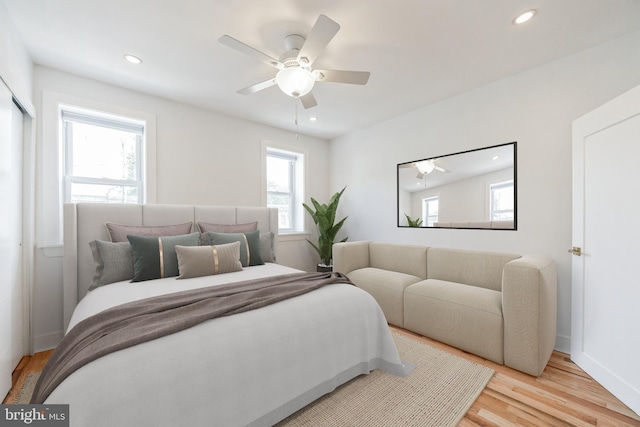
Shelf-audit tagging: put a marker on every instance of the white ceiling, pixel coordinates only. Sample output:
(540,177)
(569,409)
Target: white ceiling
(418,51)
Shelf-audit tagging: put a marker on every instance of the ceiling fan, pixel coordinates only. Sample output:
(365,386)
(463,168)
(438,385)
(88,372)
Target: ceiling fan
(295,75)
(425,167)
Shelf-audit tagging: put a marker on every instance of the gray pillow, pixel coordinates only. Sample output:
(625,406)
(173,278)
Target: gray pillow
(196,261)
(113,262)
(119,232)
(249,245)
(155,257)
(266,247)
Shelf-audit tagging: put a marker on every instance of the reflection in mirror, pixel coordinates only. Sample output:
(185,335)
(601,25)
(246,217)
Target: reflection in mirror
(472,189)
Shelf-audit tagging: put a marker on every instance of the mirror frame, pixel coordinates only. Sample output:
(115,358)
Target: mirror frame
(515,188)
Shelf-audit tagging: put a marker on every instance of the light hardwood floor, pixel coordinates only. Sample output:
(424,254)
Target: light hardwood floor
(562,396)
(28,365)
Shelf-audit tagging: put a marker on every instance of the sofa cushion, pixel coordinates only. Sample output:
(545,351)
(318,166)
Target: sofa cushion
(387,287)
(406,259)
(466,317)
(477,268)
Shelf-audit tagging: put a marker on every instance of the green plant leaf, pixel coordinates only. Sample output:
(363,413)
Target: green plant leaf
(324,217)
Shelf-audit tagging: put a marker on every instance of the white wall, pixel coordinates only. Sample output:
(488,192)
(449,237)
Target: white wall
(16,68)
(536,109)
(202,157)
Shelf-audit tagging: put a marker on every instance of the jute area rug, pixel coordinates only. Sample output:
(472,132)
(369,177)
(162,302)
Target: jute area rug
(438,393)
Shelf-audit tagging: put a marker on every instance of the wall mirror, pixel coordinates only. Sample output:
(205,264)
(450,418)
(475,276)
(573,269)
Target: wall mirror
(474,189)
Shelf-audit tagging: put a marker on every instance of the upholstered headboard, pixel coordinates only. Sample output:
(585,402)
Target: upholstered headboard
(85,222)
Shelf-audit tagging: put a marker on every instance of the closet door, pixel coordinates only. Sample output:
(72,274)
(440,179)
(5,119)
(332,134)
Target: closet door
(11,303)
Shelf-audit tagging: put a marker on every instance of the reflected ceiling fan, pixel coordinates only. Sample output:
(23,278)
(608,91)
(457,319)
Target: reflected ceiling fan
(425,167)
(295,75)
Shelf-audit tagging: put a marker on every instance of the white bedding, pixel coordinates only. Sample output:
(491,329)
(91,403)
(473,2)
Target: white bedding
(254,368)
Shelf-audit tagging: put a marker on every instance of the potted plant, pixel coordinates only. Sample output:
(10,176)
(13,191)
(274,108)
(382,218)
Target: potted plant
(413,222)
(324,216)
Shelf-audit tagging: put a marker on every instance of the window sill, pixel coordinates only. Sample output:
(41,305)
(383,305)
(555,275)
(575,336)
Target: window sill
(293,236)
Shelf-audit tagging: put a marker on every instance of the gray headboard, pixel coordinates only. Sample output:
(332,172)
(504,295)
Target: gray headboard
(85,222)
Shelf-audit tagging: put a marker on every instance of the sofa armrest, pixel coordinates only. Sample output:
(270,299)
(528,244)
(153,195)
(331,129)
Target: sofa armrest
(529,308)
(349,256)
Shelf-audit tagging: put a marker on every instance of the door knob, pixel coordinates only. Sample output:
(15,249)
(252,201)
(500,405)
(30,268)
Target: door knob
(576,251)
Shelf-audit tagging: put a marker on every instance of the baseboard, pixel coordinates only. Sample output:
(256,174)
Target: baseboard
(47,341)
(563,344)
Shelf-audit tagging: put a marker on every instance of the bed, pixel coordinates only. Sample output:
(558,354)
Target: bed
(253,368)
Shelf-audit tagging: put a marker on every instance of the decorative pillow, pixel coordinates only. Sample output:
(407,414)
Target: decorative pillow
(113,262)
(119,232)
(196,261)
(266,247)
(228,228)
(155,257)
(249,245)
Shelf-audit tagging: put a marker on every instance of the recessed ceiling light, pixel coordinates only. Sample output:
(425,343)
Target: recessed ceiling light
(495,157)
(133,59)
(313,118)
(524,17)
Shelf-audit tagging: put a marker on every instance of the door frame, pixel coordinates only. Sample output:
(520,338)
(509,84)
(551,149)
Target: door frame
(620,109)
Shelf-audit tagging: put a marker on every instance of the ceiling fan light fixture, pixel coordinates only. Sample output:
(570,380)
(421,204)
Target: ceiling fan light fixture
(295,81)
(426,167)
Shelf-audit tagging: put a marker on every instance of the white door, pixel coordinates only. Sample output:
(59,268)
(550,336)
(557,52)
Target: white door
(11,293)
(605,337)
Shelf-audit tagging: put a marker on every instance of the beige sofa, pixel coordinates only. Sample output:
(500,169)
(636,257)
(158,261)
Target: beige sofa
(498,306)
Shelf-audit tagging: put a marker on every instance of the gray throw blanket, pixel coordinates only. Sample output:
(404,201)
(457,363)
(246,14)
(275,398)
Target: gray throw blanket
(140,321)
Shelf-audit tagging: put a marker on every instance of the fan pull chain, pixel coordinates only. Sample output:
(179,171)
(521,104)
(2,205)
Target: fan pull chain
(295,101)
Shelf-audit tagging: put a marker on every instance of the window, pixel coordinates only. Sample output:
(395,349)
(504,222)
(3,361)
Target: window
(285,185)
(430,211)
(501,201)
(103,159)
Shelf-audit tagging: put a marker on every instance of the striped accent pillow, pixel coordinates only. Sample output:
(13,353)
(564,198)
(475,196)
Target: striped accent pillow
(249,245)
(155,257)
(196,261)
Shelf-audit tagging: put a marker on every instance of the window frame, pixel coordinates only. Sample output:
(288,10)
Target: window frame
(51,153)
(70,115)
(298,185)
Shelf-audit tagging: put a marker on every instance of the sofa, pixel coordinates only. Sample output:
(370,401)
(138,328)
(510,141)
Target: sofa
(499,306)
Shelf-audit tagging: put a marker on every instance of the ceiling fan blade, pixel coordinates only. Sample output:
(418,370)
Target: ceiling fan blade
(438,168)
(319,37)
(248,50)
(308,101)
(338,76)
(257,87)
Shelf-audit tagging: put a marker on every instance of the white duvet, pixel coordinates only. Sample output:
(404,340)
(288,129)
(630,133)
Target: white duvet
(253,368)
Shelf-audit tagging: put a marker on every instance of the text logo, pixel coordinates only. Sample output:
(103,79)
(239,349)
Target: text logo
(34,415)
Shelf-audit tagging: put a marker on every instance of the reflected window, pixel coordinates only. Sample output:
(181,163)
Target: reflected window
(430,211)
(502,201)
